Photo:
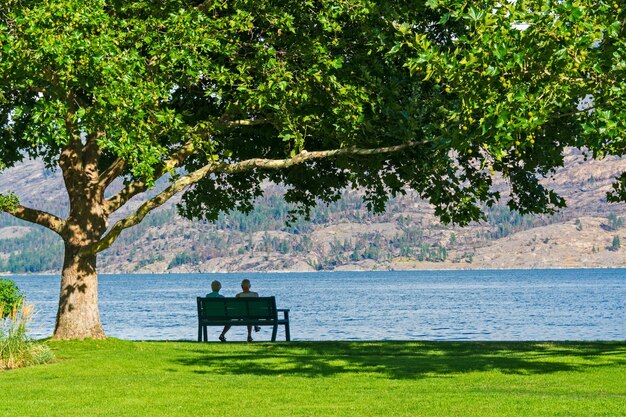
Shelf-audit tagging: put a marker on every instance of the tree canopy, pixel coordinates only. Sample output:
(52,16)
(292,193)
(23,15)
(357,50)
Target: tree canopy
(522,80)
(222,96)
(157,85)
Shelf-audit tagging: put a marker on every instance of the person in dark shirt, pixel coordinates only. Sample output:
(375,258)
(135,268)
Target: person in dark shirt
(216,286)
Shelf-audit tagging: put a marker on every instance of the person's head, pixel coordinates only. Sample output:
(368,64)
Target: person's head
(245,284)
(216,286)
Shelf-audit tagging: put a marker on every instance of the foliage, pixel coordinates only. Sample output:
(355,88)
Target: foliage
(184,258)
(306,75)
(16,348)
(516,82)
(615,244)
(615,222)
(115,377)
(8,201)
(579,225)
(10,297)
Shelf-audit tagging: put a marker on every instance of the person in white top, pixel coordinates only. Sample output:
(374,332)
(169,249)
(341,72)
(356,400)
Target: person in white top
(245,286)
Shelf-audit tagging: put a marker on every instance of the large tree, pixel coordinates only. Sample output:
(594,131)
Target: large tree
(222,96)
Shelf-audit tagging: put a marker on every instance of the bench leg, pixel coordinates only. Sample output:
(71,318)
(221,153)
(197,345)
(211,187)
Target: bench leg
(287,335)
(274,331)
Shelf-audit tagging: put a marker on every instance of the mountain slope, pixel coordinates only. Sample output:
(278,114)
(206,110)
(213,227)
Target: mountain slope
(341,236)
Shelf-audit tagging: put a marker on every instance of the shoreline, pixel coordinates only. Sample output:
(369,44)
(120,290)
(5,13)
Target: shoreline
(556,268)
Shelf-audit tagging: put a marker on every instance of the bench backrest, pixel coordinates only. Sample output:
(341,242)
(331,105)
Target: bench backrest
(233,308)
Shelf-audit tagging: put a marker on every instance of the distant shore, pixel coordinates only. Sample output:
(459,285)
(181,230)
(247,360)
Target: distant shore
(342,269)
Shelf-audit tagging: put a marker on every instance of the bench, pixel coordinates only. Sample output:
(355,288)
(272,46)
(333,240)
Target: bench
(244,311)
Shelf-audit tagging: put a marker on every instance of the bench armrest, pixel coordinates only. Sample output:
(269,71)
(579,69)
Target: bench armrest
(285,312)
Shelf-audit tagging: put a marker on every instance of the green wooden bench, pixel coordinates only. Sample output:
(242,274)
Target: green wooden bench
(244,311)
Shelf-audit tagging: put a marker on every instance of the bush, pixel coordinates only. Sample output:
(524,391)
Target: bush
(10,296)
(616,244)
(16,348)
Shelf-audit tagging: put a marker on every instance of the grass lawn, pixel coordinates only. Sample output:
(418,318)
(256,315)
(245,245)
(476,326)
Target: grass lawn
(121,378)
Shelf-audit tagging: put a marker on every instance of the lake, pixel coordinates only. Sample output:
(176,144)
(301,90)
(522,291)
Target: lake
(581,304)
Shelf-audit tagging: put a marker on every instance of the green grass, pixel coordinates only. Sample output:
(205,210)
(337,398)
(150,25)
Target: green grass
(121,378)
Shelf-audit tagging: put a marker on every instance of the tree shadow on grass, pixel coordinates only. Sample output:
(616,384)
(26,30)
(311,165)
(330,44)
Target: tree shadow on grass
(401,360)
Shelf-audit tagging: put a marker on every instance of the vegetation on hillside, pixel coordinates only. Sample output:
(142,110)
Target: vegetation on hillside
(415,238)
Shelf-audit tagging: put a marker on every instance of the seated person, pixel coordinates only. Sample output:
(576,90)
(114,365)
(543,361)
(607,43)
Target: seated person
(216,286)
(245,286)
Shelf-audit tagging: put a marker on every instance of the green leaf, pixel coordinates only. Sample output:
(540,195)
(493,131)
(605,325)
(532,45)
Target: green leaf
(475,14)
(432,4)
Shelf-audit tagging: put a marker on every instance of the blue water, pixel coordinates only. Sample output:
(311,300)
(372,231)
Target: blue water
(585,304)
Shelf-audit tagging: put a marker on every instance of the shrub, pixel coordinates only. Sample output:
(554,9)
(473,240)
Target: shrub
(16,348)
(616,244)
(615,222)
(10,296)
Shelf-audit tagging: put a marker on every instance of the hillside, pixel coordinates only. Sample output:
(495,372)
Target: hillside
(341,236)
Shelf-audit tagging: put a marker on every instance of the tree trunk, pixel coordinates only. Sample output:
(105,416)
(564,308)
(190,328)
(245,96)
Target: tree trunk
(78,316)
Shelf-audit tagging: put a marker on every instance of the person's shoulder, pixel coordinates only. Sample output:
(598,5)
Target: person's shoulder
(247,294)
(214,295)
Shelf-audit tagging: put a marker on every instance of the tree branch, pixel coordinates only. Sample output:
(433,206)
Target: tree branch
(275,164)
(224,122)
(90,156)
(245,122)
(136,187)
(111,173)
(573,113)
(229,168)
(204,6)
(42,218)
(70,161)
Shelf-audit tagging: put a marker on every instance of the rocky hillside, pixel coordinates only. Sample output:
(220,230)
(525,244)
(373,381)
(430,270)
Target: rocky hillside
(589,233)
